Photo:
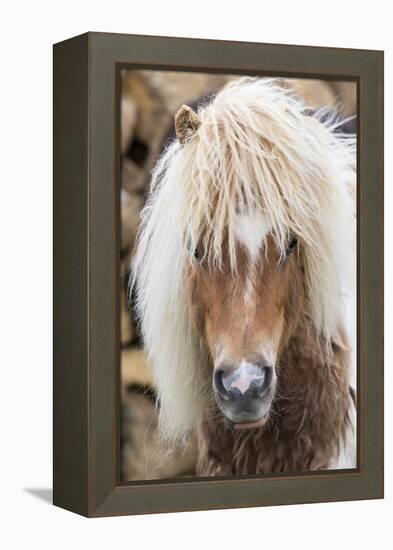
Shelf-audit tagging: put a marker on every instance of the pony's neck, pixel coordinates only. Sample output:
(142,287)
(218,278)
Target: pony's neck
(313,379)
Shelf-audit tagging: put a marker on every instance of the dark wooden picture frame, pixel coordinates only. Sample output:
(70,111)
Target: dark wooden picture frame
(86,418)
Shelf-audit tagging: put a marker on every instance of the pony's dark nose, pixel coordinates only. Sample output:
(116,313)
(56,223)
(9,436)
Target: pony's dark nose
(244,392)
(248,381)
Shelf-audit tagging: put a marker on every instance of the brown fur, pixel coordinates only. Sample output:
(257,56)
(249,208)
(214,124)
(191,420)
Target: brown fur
(307,422)
(221,313)
(309,415)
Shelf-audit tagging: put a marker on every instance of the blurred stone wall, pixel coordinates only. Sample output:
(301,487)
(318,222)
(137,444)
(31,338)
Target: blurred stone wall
(149,101)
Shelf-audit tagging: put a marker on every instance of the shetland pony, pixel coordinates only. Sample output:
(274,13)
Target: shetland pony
(243,258)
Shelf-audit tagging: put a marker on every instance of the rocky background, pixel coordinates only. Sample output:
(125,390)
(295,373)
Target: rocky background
(148,103)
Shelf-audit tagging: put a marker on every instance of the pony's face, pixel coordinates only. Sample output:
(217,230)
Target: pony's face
(244,319)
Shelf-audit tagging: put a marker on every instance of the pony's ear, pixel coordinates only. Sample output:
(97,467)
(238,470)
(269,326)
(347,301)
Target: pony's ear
(187,123)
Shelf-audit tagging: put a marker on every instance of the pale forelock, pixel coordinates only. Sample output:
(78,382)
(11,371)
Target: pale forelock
(258,161)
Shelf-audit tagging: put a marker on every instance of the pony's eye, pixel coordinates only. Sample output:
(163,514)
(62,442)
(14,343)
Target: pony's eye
(291,246)
(197,255)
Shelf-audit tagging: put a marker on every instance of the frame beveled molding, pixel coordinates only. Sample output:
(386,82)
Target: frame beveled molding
(86,415)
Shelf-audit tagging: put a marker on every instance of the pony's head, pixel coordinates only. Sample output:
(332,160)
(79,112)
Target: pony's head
(245,315)
(248,227)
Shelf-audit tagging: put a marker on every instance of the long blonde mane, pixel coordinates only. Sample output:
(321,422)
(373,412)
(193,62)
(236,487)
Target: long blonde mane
(257,149)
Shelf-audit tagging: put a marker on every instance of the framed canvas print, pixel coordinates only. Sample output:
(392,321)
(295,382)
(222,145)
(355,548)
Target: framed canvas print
(218,287)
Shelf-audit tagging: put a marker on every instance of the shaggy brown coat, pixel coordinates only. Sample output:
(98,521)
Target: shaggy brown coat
(308,422)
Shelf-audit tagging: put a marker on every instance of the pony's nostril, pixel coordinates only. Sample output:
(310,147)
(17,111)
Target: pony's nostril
(268,377)
(220,384)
